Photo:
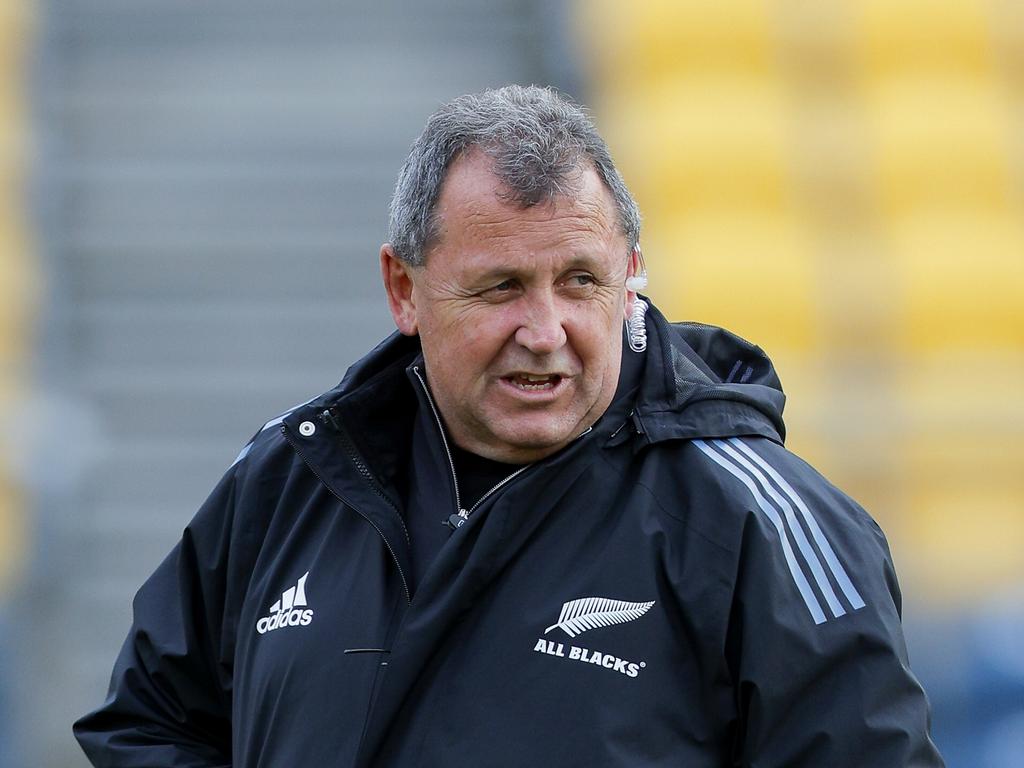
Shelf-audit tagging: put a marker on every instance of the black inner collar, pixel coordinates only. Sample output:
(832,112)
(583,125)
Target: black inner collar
(477,475)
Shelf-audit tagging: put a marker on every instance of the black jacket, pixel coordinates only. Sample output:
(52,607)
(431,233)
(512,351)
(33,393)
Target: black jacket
(674,588)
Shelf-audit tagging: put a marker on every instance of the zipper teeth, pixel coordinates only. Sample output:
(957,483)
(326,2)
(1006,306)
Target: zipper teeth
(401,573)
(444,441)
(356,459)
(508,479)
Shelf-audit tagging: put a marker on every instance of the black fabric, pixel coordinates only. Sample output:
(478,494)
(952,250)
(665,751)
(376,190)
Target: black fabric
(630,372)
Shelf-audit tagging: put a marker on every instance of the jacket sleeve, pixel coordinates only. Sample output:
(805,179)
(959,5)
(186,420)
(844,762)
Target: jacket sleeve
(169,701)
(816,642)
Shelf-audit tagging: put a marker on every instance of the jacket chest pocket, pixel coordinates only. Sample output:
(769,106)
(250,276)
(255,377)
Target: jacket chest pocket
(301,703)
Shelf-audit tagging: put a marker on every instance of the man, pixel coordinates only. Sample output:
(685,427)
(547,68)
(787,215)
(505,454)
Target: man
(536,527)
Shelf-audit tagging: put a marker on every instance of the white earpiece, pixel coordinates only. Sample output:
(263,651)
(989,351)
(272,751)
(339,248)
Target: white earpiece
(636,325)
(637,282)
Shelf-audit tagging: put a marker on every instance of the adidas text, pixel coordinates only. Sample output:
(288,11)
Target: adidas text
(578,653)
(292,618)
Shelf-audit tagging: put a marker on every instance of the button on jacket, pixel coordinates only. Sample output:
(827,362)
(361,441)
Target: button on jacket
(674,588)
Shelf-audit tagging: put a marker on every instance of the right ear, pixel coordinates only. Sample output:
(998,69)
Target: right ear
(400,289)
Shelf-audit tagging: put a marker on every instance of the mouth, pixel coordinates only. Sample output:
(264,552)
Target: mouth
(534,382)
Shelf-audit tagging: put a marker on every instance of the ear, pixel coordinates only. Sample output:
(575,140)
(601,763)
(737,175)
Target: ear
(398,283)
(636,278)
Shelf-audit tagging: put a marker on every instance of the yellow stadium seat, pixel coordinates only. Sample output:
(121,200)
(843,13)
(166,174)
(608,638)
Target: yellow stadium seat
(961,277)
(752,273)
(694,142)
(967,538)
(630,42)
(940,140)
(894,36)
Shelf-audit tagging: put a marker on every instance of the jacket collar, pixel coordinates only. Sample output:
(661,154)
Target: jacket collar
(696,381)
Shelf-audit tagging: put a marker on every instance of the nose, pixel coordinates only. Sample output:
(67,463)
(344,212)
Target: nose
(542,329)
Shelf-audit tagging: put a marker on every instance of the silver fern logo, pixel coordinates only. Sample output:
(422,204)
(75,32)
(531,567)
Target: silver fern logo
(585,613)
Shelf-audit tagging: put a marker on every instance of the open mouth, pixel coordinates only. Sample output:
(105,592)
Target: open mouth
(530,382)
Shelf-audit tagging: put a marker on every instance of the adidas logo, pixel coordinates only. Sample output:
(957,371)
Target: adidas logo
(288,611)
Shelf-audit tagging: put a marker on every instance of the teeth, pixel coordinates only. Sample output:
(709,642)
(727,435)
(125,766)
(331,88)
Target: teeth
(532,382)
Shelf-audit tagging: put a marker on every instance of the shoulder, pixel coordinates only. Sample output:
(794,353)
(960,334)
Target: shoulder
(267,445)
(246,496)
(762,476)
(729,478)
(718,485)
(799,528)
(786,528)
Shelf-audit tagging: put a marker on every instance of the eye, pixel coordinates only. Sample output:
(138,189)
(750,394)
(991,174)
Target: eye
(500,290)
(579,282)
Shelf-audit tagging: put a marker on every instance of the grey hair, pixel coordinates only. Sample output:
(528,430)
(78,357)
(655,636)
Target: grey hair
(538,142)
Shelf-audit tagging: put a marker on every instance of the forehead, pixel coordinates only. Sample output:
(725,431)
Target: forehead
(474,211)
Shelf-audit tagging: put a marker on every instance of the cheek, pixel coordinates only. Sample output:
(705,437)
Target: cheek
(468,343)
(462,319)
(600,348)
(442,331)
(488,327)
(599,335)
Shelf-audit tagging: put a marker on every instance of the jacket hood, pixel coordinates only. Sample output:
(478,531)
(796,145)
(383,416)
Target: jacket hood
(702,381)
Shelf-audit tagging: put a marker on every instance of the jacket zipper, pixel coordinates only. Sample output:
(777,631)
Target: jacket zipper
(444,441)
(496,488)
(462,515)
(366,475)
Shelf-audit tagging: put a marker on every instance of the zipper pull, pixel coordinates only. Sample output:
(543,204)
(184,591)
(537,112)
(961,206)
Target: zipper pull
(637,424)
(457,521)
(328,417)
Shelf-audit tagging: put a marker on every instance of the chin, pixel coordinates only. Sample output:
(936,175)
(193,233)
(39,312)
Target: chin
(535,444)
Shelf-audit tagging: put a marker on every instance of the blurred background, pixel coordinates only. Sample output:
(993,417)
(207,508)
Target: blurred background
(192,196)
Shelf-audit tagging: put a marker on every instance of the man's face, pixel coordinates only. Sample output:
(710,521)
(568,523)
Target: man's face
(519,312)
